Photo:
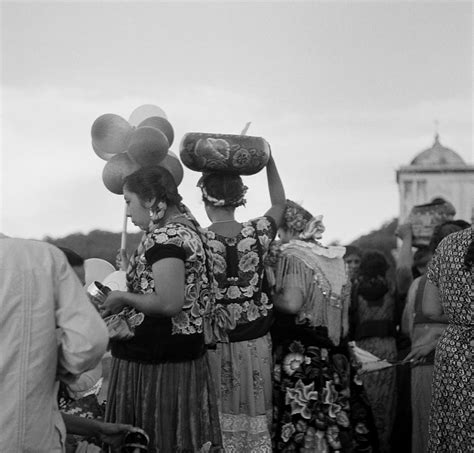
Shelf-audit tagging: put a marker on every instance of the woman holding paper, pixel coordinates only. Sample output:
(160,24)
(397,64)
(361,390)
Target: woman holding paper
(160,378)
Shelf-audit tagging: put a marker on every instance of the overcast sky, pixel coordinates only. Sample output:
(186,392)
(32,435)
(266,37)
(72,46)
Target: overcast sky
(344,92)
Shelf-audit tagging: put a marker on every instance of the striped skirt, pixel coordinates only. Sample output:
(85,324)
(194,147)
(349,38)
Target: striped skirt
(175,403)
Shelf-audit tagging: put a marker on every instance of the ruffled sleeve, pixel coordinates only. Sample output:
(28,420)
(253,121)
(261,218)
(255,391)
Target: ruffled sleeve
(323,281)
(292,272)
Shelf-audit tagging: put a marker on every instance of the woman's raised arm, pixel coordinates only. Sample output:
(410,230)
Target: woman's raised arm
(277,192)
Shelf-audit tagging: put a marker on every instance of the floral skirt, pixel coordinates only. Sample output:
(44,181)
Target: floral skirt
(319,406)
(243,373)
(175,403)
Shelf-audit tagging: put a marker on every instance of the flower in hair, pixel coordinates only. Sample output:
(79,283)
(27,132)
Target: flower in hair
(314,229)
(212,200)
(157,213)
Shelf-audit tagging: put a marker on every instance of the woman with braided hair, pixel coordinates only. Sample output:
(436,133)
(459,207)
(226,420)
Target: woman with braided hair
(160,377)
(318,407)
(241,360)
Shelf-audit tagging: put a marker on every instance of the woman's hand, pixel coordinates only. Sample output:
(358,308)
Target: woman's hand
(404,231)
(113,433)
(418,353)
(121,260)
(114,303)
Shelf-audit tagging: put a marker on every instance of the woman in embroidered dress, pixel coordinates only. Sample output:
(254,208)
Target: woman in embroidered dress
(373,327)
(242,358)
(160,378)
(448,297)
(318,406)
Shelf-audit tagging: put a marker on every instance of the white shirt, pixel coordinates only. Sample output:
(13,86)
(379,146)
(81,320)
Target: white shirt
(48,328)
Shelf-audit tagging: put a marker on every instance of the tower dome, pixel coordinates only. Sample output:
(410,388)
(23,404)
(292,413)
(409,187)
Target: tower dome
(438,156)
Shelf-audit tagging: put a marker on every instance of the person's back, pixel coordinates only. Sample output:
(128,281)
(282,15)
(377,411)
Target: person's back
(48,329)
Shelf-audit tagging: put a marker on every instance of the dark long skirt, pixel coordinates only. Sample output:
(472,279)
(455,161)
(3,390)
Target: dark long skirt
(175,403)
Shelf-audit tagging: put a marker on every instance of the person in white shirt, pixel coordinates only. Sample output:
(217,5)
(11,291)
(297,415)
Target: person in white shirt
(48,331)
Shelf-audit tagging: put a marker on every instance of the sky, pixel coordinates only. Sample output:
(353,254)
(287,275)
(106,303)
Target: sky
(345,93)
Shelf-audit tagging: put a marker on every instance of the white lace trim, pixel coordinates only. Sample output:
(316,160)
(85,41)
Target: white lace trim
(243,433)
(332,251)
(242,422)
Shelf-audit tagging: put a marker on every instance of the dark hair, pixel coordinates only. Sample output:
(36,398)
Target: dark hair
(227,187)
(421,255)
(372,283)
(352,250)
(153,182)
(373,264)
(73,258)
(462,224)
(438,200)
(444,229)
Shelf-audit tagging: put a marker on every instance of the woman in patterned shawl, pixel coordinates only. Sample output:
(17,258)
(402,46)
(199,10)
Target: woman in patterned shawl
(160,377)
(241,360)
(449,297)
(318,405)
(424,333)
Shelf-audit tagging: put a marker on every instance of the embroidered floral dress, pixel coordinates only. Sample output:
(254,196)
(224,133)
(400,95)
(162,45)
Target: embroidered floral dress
(243,365)
(319,406)
(451,417)
(161,379)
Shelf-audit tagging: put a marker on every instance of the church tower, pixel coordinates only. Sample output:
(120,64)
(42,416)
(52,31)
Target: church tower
(437,172)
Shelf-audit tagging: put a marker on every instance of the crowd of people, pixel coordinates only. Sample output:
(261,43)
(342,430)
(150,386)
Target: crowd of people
(237,337)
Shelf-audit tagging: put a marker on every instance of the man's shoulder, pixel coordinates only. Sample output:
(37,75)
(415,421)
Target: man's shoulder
(30,250)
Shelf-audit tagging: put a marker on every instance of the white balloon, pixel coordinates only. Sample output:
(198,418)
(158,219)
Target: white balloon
(145,111)
(116,281)
(96,270)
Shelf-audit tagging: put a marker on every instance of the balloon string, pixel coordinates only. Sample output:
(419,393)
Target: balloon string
(123,243)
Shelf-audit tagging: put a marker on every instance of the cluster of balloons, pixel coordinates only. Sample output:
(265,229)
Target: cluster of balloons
(143,140)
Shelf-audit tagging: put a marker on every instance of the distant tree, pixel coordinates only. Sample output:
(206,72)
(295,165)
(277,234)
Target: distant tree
(104,244)
(382,239)
(97,244)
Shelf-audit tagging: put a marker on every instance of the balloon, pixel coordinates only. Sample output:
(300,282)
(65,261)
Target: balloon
(148,146)
(96,270)
(110,134)
(105,156)
(161,124)
(172,163)
(115,170)
(145,111)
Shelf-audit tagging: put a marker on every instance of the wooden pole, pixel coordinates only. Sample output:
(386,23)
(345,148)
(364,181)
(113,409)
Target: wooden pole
(123,242)
(246,128)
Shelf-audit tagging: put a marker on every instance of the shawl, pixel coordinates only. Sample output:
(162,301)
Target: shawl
(320,273)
